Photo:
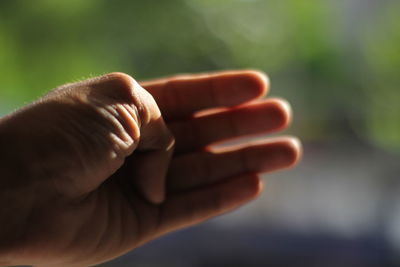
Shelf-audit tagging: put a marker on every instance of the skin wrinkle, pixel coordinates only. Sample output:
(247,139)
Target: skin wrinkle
(133,206)
(171,92)
(76,238)
(133,111)
(120,147)
(123,143)
(77,130)
(142,109)
(106,226)
(85,224)
(126,189)
(116,121)
(122,228)
(103,131)
(102,237)
(68,177)
(84,168)
(91,114)
(213,90)
(131,95)
(233,124)
(130,120)
(147,230)
(108,116)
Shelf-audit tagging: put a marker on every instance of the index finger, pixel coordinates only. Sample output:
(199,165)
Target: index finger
(181,96)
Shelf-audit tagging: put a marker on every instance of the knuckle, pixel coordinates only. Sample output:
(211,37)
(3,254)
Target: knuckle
(121,79)
(120,88)
(171,96)
(117,85)
(93,117)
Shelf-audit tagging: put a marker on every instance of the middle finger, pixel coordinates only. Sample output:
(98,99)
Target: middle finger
(265,116)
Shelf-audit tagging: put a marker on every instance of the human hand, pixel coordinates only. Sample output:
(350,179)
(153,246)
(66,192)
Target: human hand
(83,169)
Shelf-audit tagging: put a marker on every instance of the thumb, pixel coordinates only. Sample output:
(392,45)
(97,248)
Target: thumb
(150,161)
(152,143)
(154,147)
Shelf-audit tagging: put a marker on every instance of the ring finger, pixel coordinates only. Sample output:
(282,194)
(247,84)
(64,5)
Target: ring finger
(207,167)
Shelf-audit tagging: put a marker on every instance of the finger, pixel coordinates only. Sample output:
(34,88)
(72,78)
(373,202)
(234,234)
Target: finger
(193,207)
(151,160)
(204,168)
(181,96)
(261,117)
(149,168)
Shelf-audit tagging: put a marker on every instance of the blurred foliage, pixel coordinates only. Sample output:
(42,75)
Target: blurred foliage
(341,80)
(382,53)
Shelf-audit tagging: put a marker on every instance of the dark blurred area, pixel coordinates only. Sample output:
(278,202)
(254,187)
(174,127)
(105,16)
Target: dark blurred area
(336,61)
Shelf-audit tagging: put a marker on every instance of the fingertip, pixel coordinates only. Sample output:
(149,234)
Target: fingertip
(156,199)
(259,185)
(283,111)
(276,154)
(244,188)
(272,114)
(252,84)
(298,147)
(261,82)
(238,87)
(293,151)
(154,193)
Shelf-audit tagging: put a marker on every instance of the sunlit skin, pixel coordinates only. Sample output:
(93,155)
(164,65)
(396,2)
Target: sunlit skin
(94,169)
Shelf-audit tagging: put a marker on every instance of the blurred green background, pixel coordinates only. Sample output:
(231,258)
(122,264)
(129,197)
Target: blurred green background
(336,61)
(338,65)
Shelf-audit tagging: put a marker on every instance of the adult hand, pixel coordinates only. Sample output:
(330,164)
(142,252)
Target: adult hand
(88,172)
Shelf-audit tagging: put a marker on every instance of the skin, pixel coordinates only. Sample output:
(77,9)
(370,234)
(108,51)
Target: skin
(93,170)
